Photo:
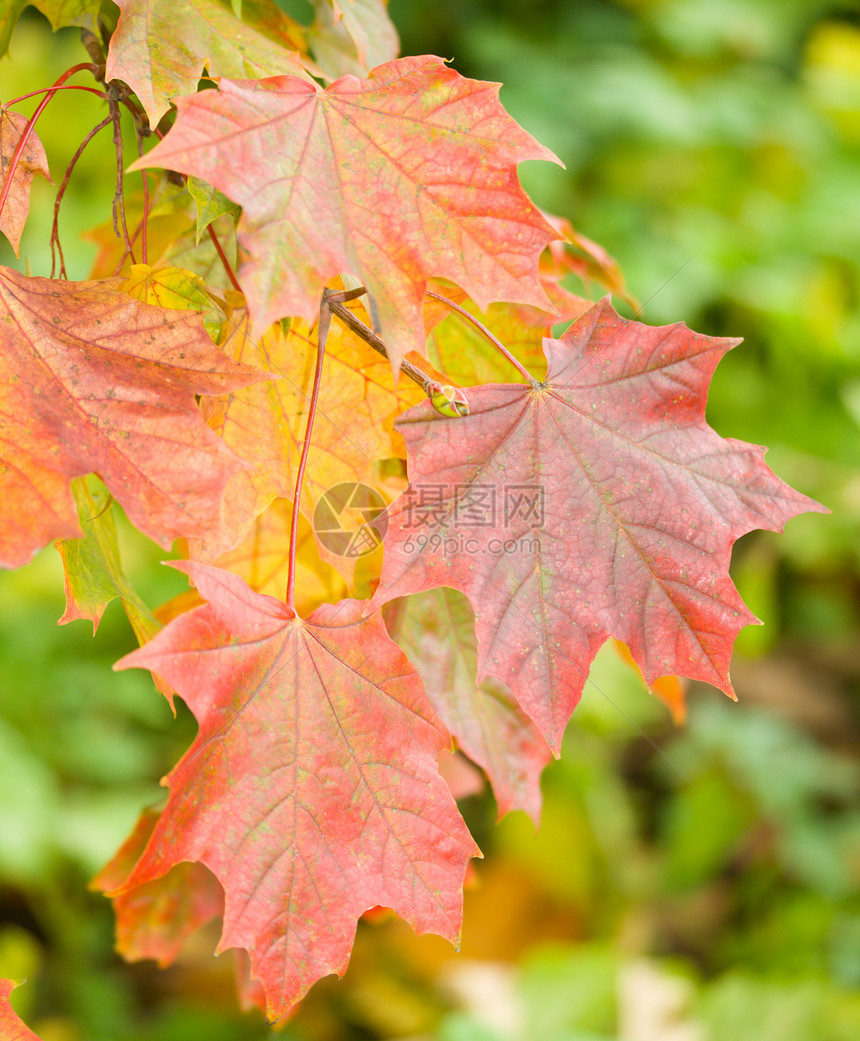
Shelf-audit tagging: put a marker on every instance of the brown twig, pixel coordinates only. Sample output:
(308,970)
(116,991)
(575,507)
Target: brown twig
(141,130)
(93,47)
(127,250)
(118,207)
(425,382)
(51,91)
(141,121)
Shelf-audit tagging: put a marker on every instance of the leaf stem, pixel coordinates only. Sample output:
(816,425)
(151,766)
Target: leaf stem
(55,227)
(144,221)
(28,129)
(54,89)
(322,336)
(219,249)
(485,332)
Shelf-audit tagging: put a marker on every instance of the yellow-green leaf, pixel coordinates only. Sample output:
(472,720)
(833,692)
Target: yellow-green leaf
(93,570)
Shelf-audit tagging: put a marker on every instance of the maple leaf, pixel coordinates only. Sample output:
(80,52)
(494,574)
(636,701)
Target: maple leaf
(171,287)
(59,13)
(436,631)
(159,63)
(32,161)
(595,503)
(211,204)
(312,791)
(405,175)
(95,382)
(153,920)
(352,37)
(11,1026)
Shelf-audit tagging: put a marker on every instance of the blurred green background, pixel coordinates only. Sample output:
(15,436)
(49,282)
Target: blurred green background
(698,884)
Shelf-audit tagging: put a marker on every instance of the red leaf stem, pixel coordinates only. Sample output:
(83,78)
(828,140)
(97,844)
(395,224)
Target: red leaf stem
(55,228)
(40,108)
(219,249)
(143,220)
(53,90)
(322,336)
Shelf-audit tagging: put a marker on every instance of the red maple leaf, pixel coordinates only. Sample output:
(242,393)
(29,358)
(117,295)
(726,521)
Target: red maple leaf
(96,382)
(11,1026)
(596,503)
(405,175)
(312,791)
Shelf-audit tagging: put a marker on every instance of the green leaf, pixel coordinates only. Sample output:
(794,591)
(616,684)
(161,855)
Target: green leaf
(211,204)
(61,13)
(10,12)
(93,572)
